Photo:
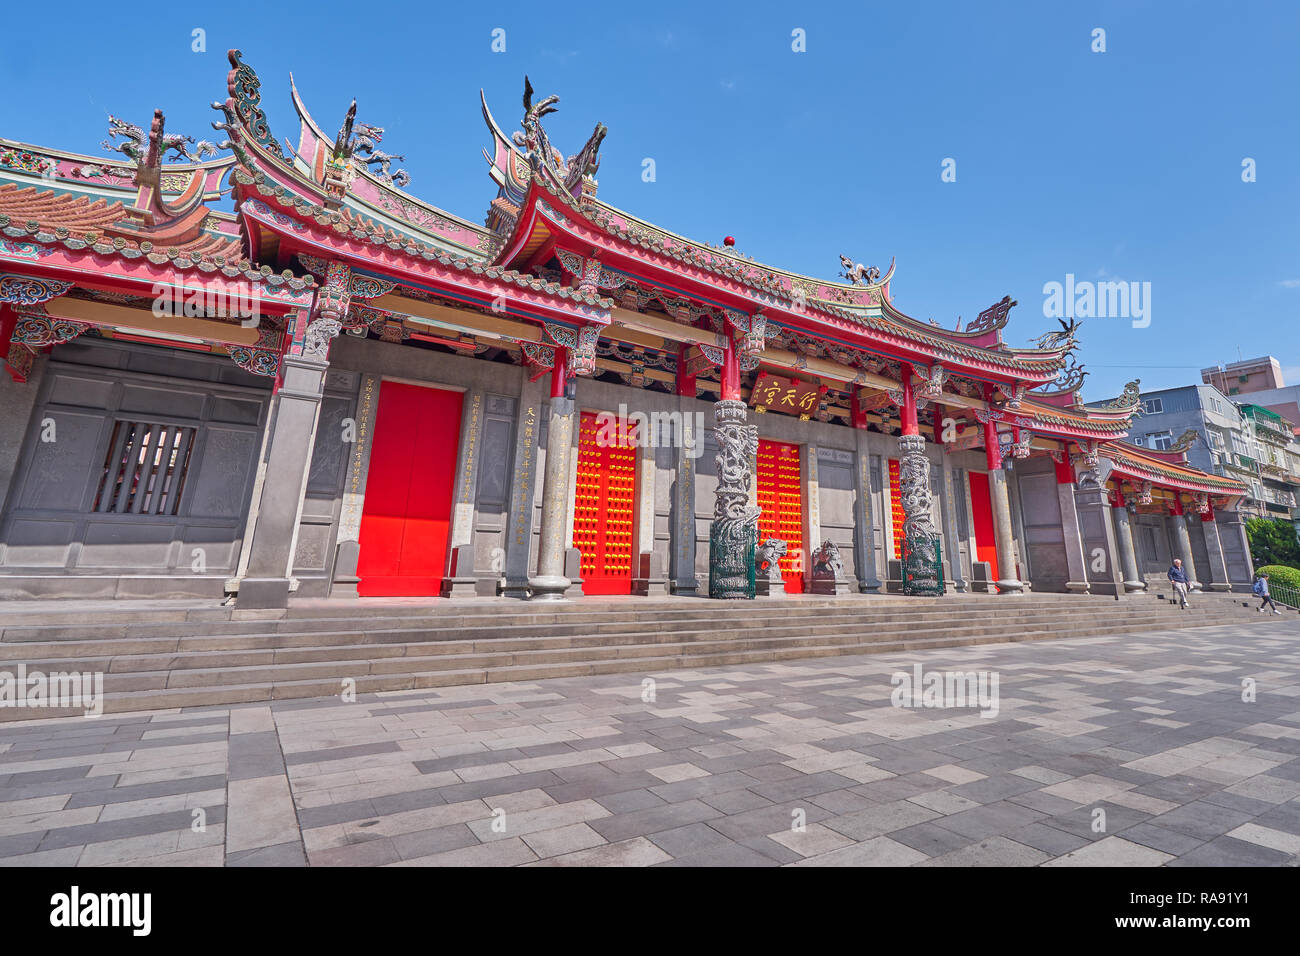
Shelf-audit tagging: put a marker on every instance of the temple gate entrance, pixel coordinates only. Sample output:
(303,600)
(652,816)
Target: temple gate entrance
(407,512)
(780,495)
(604,506)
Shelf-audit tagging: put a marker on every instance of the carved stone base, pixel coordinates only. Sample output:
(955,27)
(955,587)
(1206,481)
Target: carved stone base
(649,580)
(345,580)
(456,584)
(831,586)
(573,571)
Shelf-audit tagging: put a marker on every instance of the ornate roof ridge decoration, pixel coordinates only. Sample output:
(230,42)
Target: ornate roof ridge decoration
(362,145)
(859,274)
(1064,339)
(1137,462)
(96,242)
(1128,401)
(65,164)
(148,149)
(944,347)
(415,250)
(576,174)
(343,219)
(993,318)
(246,100)
(1185,441)
(22,290)
(1069,382)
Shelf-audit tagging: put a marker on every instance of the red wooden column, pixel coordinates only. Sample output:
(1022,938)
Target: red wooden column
(685,380)
(559,372)
(992,449)
(907,411)
(730,373)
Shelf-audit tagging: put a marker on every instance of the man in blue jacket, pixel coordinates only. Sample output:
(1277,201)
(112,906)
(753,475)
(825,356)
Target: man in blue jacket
(1178,578)
(1261,591)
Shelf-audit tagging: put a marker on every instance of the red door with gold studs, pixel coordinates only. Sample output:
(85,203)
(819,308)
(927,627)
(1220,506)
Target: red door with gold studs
(781,498)
(604,505)
(407,512)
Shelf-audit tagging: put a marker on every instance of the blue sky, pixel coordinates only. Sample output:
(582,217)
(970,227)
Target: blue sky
(1122,165)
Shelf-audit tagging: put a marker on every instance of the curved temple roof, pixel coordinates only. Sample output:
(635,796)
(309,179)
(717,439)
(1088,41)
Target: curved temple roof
(322,199)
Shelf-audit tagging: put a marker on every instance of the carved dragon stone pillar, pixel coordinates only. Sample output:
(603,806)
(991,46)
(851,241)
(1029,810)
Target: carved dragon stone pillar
(921,566)
(733,533)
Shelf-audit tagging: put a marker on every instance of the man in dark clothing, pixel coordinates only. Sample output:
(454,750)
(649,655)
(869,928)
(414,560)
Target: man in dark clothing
(1178,578)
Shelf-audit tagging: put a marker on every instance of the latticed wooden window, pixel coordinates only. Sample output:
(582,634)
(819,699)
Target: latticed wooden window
(144,472)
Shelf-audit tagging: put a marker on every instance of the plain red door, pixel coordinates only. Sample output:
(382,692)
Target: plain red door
(407,511)
(986,548)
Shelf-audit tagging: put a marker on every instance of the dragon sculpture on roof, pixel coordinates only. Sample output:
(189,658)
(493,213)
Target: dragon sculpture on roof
(135,143)
(360,141)
(534,141)
(857,273)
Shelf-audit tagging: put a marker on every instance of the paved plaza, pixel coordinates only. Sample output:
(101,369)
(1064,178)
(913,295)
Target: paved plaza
(1128,750)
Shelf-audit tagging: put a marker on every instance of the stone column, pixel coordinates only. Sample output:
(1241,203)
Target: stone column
(1008,581)
(1076,568)
(266,580)
(865,560)
(460,580)
(812,515)
(1183,545)
(523,488)
(550,582)
(1124,543)
(733,533)
(688,447)
(920,567)
(999,498)
(1216,575)
(348,548)
(919,536)
(648,570)
(951,536)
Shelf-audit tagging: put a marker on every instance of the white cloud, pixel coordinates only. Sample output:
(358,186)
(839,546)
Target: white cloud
(1290,283)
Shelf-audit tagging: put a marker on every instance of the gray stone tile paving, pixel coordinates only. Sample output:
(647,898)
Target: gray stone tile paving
(797,763)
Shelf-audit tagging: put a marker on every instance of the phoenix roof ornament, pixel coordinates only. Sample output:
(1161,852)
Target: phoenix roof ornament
(1066,337)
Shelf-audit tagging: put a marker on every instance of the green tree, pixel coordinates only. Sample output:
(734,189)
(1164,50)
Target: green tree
(1273,542)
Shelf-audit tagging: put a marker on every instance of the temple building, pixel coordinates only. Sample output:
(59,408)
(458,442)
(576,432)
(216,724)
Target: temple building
(339,389)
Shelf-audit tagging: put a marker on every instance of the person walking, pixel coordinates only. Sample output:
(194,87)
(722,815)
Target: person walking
(1178,578)
(1261,591)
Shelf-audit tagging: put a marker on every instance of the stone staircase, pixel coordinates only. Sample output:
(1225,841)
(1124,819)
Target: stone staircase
(170,655)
